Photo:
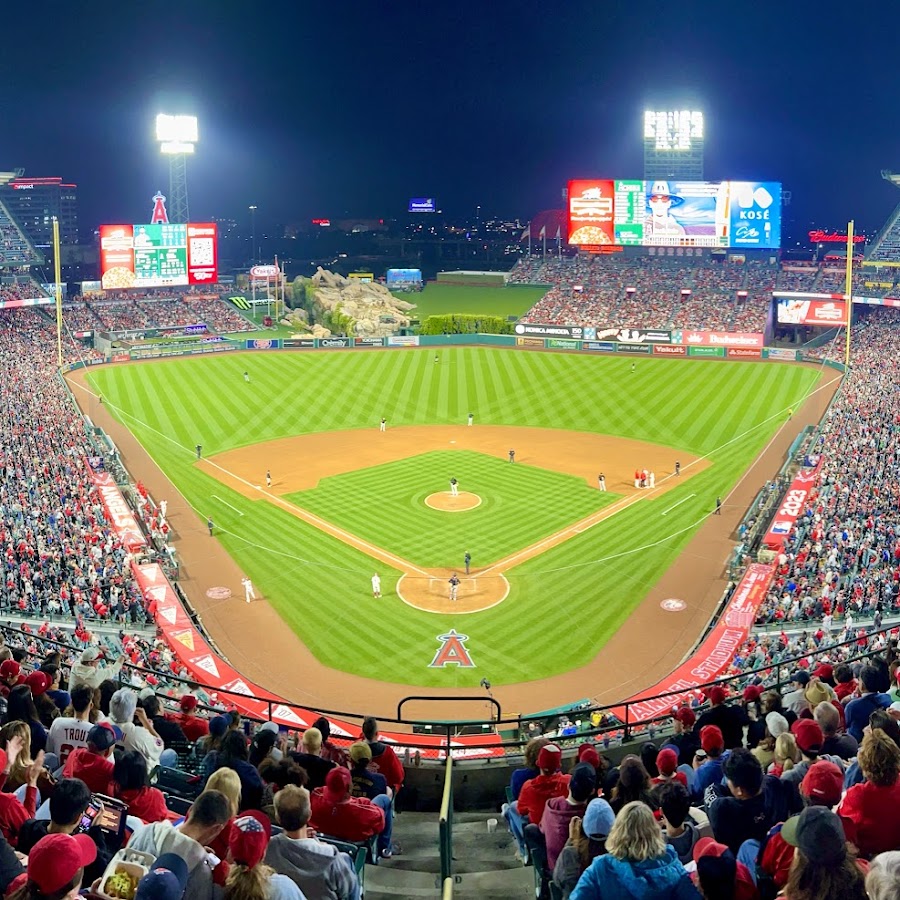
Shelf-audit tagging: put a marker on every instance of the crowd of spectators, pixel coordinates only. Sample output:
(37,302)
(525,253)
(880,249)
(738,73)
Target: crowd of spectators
(20,289)
(14,248)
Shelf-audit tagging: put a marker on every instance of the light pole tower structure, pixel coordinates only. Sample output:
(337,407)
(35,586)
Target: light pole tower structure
(177,136)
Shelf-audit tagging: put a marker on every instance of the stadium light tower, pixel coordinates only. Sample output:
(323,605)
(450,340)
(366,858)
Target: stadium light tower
(177,136)
(673,144)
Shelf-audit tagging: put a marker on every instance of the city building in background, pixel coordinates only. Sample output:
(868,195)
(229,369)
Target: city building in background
(673,144)
(34,202)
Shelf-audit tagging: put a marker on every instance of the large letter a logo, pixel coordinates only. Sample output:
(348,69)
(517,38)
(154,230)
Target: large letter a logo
(452,651)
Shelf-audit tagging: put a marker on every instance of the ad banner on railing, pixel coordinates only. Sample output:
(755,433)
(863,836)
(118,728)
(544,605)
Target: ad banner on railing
(791,507)
(119,512)
(712,658)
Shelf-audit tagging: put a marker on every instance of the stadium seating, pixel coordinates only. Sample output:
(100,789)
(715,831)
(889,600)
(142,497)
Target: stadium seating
(15,247)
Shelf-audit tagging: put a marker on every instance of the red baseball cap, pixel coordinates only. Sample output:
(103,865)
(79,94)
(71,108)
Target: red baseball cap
(250,836)
(188,702)
(823,783)
(685,715)
(550,757)
(588,754)
(824,671)
(55,859)
(666,761)
(711,738)
(717,694)
(753,692)
(808,734)
(337,784)
(708,846)
(9,668)
(39,682)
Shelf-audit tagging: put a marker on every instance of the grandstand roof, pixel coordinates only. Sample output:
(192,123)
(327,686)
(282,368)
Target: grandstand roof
(550,220)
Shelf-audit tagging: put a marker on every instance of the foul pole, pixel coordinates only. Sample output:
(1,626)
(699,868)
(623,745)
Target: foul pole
(57,276)
(848,292)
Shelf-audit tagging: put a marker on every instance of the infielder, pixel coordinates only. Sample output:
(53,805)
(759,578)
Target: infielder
(268,478)
(512,456)
(601,481)
(652,477)
(467,559)
(454,487)
(376,586)
(471,418)
(383,425)
(454,586)
(248,589)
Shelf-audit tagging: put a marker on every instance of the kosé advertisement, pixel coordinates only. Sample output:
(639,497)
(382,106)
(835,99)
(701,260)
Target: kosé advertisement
(755,214)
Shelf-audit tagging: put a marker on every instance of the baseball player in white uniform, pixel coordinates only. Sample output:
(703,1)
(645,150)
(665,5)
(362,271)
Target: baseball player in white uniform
(248,589)
(163,506)
(383,425)
(376,586)
(454,487)
(454,585)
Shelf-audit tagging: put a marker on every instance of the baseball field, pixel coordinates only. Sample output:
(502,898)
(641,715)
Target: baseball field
(557,565)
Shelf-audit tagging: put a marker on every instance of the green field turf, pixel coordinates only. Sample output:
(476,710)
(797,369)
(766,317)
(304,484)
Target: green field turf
(385,504)
(442,299)
(727,411)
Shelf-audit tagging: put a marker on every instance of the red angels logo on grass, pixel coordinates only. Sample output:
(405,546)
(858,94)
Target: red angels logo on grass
(452,651)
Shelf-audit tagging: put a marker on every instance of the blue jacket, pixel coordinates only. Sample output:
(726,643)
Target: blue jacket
(709,773)
(858,711)
(662,878)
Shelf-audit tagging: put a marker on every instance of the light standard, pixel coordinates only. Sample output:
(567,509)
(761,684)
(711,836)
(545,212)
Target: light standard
(253,233)
(177,136)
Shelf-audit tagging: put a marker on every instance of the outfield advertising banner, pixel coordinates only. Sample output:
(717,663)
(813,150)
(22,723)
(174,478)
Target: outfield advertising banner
(778,353)
(718,339)
(812,312)
(368,342)
(632,335)
(603,346)
(740,214)
(714,655)
(801,489)
(529,342)
(634,348)
(403,340)
(706,351)
(563,331)
(263,343)
(742,353)
(563,344)
(669,350)
(334,343)
(299,343)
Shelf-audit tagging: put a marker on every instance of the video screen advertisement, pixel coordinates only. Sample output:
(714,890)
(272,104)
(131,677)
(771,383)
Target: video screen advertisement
(738,214)
(161,255)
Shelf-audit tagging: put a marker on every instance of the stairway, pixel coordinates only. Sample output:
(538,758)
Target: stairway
(484,865)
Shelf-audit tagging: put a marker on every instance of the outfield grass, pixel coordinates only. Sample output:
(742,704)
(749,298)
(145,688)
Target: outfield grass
(385,504)
(442,299)
(726,411)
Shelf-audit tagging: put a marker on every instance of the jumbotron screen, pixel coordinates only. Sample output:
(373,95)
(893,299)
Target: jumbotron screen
(675,213)
(160,255)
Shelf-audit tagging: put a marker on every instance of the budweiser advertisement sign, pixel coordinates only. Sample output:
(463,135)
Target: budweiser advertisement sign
(717,339)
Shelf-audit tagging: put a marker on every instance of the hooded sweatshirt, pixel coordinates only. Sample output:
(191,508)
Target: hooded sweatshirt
(93,676)
(558,813)
(320,870)
(92,768)
(161,838)
(662,878)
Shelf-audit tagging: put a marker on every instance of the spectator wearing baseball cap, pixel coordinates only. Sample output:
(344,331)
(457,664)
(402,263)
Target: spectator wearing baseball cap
(810,741)
(194,727)
(587,841)
(822,786)
(728,718)
(366,783)
(720,874)
(335,811)
(751,803)
(774,724)
(94,764)
(10,676)
(56,867)
(823,866)
(249,878)
(667,766)
(872,806)
(685,738)
(559,811)
(708,761)
(550,782)
(89,671)
(166,880)
(319,869)
(795,699)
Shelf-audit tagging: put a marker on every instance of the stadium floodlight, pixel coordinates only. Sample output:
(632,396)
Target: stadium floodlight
(177,136)
(673,143)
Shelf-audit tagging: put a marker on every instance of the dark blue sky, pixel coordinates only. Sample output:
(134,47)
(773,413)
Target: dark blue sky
(311,109)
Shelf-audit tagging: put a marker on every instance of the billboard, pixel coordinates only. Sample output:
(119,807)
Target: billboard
(812,312)
(673,213)
(158,255)
(422,205)
(404,276)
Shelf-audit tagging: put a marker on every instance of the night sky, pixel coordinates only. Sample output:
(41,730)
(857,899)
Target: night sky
(312,109)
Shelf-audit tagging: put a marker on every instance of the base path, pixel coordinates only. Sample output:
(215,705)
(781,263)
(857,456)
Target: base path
(649,645)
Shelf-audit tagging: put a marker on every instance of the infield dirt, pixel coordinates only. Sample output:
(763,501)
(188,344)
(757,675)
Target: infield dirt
(650,644)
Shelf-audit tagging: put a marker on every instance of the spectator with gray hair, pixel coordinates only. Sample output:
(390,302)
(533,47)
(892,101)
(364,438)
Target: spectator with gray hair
(883,880)
(123,708)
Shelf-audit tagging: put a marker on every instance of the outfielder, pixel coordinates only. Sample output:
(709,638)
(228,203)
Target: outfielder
(471,418)
(454,487)
(376,586)
(248,589)
(383,425)
(454,586)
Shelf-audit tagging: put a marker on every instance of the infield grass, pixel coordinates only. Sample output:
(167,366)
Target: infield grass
(726,411)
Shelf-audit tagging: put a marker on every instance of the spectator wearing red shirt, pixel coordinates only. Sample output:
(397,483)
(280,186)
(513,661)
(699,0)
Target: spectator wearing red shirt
(94,764)
(193,726)
(338,814)
(559,811)
(13,813)
(667,765)
(384,760)
(872,806)
(550,783)
(131,785)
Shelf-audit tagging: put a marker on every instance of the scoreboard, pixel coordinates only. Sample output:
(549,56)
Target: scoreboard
(159,255)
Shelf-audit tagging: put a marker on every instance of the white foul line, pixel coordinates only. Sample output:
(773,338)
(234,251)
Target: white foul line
(685,500)
(217,497)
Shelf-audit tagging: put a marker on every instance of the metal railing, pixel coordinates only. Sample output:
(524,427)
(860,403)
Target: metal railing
(445,824)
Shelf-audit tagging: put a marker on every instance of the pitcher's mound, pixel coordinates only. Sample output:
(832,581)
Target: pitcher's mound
(446,502)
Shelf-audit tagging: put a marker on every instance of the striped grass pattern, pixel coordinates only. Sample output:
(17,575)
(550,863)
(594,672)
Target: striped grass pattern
(727,411)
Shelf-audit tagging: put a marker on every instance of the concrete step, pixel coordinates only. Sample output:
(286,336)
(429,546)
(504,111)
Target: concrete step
(383,882)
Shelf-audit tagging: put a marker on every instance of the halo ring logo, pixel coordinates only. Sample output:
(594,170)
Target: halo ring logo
(672,604)
(218,593)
